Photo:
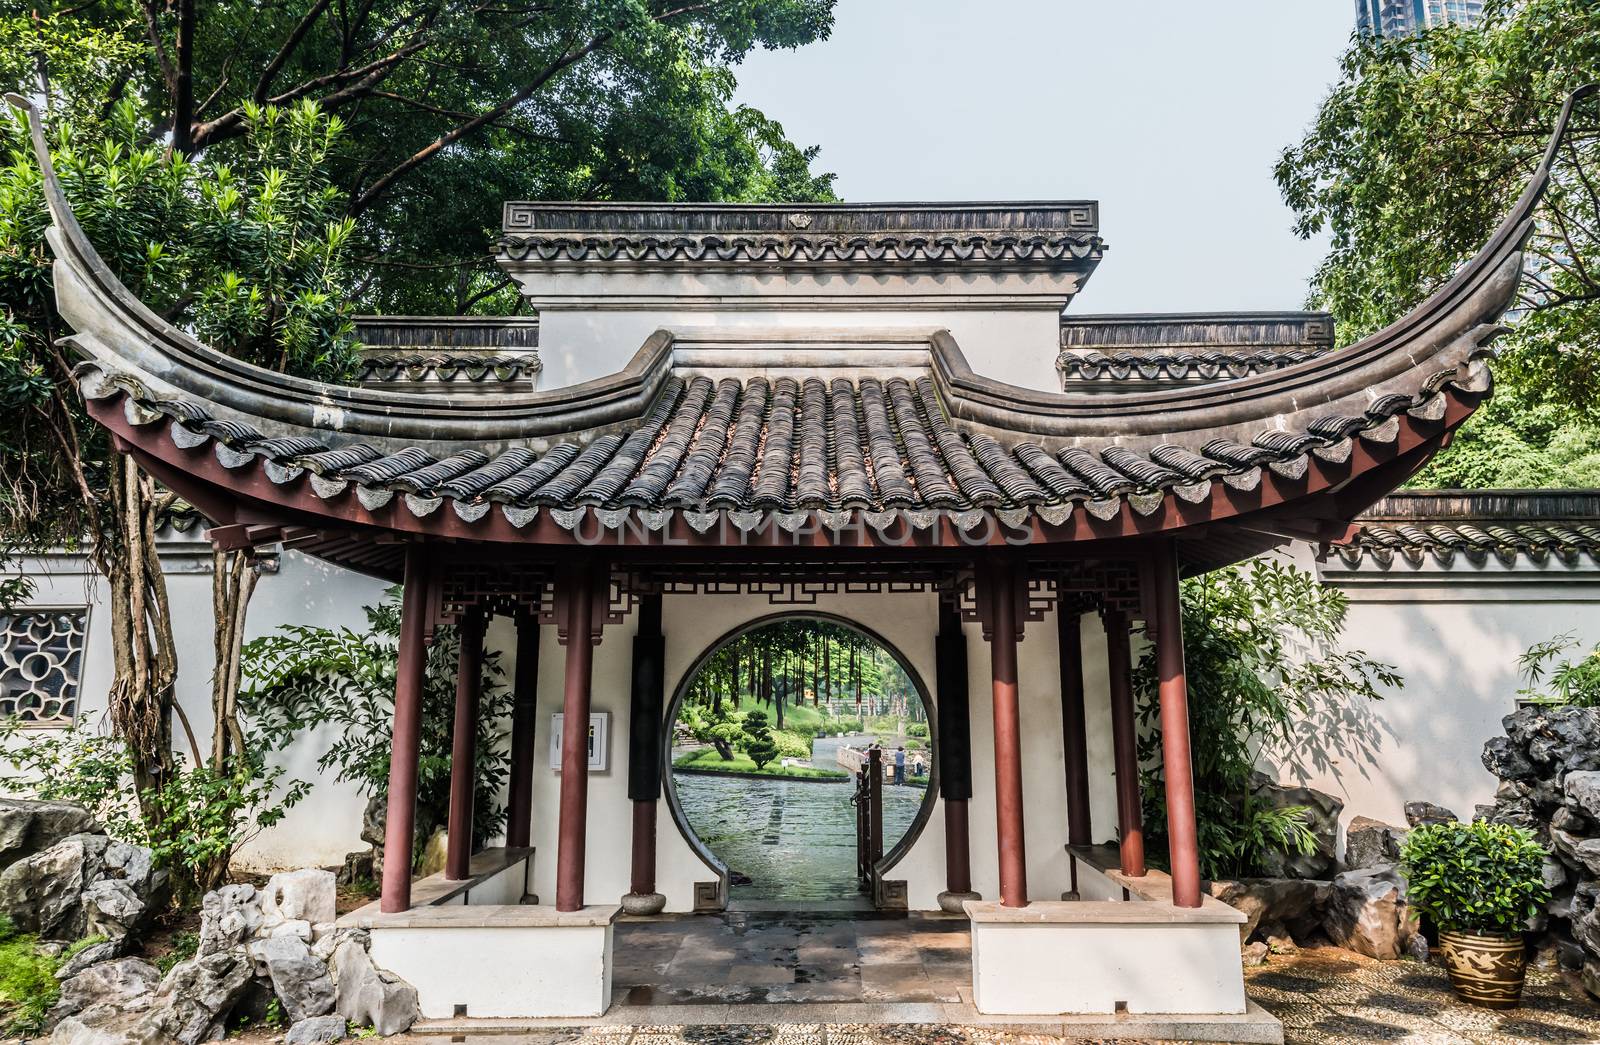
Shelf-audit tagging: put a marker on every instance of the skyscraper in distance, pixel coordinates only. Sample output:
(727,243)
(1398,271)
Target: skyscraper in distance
(1399,17)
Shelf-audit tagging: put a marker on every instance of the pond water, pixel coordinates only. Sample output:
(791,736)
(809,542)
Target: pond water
(793,839)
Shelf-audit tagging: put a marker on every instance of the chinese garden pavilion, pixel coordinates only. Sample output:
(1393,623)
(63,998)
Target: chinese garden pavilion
(875,406)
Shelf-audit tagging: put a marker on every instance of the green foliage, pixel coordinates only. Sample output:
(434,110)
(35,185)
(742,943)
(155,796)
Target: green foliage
(455,108)
(1550,680)
(180,948)
(791,744)
(1261,653)
(758,742)
(28,985)
(1475,878)
(716,724)
(302,678)
(708,761)
(1418,151)
(249,253)
(201,815)
(917,729)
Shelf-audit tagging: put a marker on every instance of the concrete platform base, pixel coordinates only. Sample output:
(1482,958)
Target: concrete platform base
(1255,1026)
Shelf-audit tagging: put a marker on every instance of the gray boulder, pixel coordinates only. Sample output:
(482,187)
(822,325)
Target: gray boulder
(28,827)
(112,909)
(300,981)
(94,954)
(1322,818)
(228,917)
(113,983)
(1295,903)
(1368,914)
(105,1025)
(1563,738)
(1582,791)
(306,895)
(369,997)
(1420,813)
(43,893)
(1503,757)
(196,997)
(317,1030)
(1591,976)
(1371,843)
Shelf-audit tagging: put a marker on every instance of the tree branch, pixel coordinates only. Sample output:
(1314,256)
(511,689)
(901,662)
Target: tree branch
(290,45)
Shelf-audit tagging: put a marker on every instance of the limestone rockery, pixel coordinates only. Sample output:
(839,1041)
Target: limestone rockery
(1548,764)
(63,879)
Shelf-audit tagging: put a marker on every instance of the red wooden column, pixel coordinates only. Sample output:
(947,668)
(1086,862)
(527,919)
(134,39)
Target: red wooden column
(524,718)
(1001,581)
(1074,733)
(646,755)
(1124,743)
(1182,833)
(953,745)
(464,747)
(411,662)
(575,591)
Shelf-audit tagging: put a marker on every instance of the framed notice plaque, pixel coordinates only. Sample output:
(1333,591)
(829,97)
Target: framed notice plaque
(599,740)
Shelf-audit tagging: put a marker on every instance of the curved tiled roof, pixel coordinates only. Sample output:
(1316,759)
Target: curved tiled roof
(654,442)
(1163,364)
(388,367)
(779,446)
(1454,527)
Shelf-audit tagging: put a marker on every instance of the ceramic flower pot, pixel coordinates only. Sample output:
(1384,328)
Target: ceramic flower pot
(1485,970)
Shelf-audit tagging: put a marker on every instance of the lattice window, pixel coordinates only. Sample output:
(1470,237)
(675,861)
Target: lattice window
(41,662)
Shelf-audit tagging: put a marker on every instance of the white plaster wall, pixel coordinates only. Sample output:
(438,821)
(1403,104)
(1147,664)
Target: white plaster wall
(325,825)
(1455,635)
(1016,345)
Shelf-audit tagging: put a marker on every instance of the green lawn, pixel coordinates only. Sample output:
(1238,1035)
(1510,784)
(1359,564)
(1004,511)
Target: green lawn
(708,761)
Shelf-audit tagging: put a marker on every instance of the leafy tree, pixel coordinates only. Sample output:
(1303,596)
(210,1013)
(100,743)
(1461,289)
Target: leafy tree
(454,107)
(716,724)
(301,678)
(1418,151)
(249,253)
(758,739)
(1261,653)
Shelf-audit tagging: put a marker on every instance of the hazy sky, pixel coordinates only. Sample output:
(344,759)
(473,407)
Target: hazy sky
(1170,112)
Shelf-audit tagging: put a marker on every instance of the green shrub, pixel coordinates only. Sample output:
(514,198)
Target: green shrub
(845,725)
(792,744)
(917,729)
(28,985)
(1575,682)
(1475,878)
(759,744)
(182,947)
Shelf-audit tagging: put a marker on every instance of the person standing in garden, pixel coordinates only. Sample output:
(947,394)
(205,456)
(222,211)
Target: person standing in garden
(900,765)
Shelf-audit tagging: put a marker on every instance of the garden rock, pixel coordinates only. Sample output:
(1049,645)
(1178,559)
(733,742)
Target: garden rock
(317,1030)
(1591,976)
(1367,912)
(228,917)
(1420,813)
(114,983)
(1371,843)
(306,895)
(300,981)
(1254,954)
(1295,903)
(197,995)
(29,827)
(112,909)
(1504,758)
(1583,793)
(367,996)
(90,955)
(43,893)
(1322,818)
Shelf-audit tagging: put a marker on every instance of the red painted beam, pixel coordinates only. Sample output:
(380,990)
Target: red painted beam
(1001,581)
(400,825)
(464,748)
(1074,731)
(1124,744)
(576,591)
(1183,840)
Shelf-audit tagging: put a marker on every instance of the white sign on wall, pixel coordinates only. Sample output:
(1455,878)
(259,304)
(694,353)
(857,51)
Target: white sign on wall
(599,740)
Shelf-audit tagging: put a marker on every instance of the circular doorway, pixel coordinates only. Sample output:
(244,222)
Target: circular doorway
(769,731)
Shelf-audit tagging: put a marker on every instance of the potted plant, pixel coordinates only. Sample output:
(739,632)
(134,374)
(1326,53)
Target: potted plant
(1480,883)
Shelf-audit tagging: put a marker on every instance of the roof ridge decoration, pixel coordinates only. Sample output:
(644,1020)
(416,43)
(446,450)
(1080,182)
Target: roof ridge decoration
(1452,527)
(1042,234)
(951,449)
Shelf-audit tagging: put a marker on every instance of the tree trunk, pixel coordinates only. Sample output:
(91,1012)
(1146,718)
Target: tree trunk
(143,655)
(233,581)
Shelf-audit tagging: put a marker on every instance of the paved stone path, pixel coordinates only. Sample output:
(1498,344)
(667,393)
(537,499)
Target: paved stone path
(794,839)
